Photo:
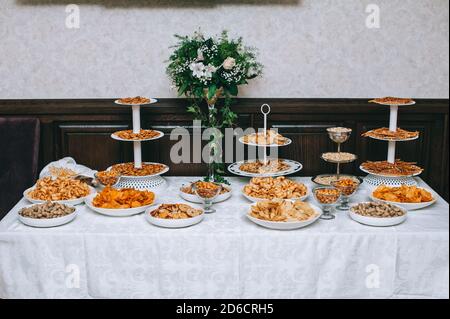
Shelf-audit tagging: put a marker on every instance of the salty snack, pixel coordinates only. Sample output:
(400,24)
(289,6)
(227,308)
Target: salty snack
(107,178)
(329,179)
(338,156)
(386,134)
(46,210)
(128,169)
(389,100)
(258,167)
(189,189)
(374,209)
(282,211)
(142,135)
(175,211)
(399,168)
(339,130)
(271,188)
(134,100)
(346,186)
(122,198)
(327,195)
(207,190)
(49,189)
(403,194)
(270,138)
(62,172)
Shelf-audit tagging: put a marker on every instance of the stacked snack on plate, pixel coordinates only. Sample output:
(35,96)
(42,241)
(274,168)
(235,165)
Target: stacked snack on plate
(122,198)
(57,189)
(269,138)
(274,188)
(128,169)
(278,210)
(175,211)
(408,197)
(378,214)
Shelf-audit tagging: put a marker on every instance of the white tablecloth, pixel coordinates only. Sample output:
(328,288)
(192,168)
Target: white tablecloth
(226,256)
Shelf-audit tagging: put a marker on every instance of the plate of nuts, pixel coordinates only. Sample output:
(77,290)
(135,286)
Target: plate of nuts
(48,214)
(377,214)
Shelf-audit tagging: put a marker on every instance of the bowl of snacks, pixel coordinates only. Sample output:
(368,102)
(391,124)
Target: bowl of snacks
(187,192)
(408,197)
(267,188)
(348,188)
(377,214)
(48,214)
(329,179)
(107,178)
(120,202)
(283,214)
(327,197)
(60,190)
(174,215)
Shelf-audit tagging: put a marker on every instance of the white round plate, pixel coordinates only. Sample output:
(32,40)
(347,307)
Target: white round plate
(377,221)
(161,134)
(286,225)
(75,201)
(165,170)
(382,175)
(288,141)
(294,168)
(125,104)
(194,198)
(407,206)
(173,223)
(256,199)
(125,212)
(47,222)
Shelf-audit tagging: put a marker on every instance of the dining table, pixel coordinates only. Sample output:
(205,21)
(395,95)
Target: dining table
(226,255)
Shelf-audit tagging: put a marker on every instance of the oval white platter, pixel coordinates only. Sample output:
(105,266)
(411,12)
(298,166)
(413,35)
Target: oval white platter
(194,198)
(383,175)
(47,222)
(126,104)
(378,221)
(286,225)
(173,223)
(75,201)
(165,170)
(115,137)
(288,141)
(256,199)
(124,212)
(407,206)
(294,168)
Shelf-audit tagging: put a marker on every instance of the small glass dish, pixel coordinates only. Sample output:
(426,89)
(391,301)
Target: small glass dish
(327,197)
(107,178)
(207,192)
(348,188)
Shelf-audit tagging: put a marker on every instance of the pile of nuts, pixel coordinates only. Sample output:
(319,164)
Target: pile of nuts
(107,178)
(327,195)
(381,210)
(46,210)
(207,190)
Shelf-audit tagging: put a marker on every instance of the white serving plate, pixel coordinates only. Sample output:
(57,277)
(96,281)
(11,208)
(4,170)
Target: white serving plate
(125,104)
(294,168)
(378,221)
(75,201)
(48,222)
(390,104)
(173,223)
(115,137)
(382,175)
(165,170)
(286,225)
(256,199)
(288,141)
(407,206)
(194,198)
(115,212)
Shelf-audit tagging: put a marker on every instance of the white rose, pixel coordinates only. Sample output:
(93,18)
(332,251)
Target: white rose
(229,63)
(197,69)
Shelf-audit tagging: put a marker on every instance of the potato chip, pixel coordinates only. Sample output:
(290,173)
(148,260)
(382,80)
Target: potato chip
(403,194)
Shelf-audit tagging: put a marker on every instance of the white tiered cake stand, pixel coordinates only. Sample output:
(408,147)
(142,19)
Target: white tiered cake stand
(380,179)
(154,181)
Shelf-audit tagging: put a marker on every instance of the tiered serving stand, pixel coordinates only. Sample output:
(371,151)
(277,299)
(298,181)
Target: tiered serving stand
(153,181)
(294,166)
(380,179)
(339,138)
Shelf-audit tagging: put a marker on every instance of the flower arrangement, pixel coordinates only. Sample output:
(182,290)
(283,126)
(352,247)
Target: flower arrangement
(207,69)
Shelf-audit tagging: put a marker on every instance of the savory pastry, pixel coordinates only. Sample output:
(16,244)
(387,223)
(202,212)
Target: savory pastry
(271,188)
(258,167)
(57,189)
(134,100)
(389,100)
(386,134)
(175,211)
(398,168)
(270,138)
(282,211)
(403,194)
(122,198)
(142,135)
(380,210)
(128,169)
(189,189)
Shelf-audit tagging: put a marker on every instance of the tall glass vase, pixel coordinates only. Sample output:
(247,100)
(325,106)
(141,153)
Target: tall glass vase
(214,155)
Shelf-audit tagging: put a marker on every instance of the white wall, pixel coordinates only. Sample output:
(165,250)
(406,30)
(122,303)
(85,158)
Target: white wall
(310,48)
